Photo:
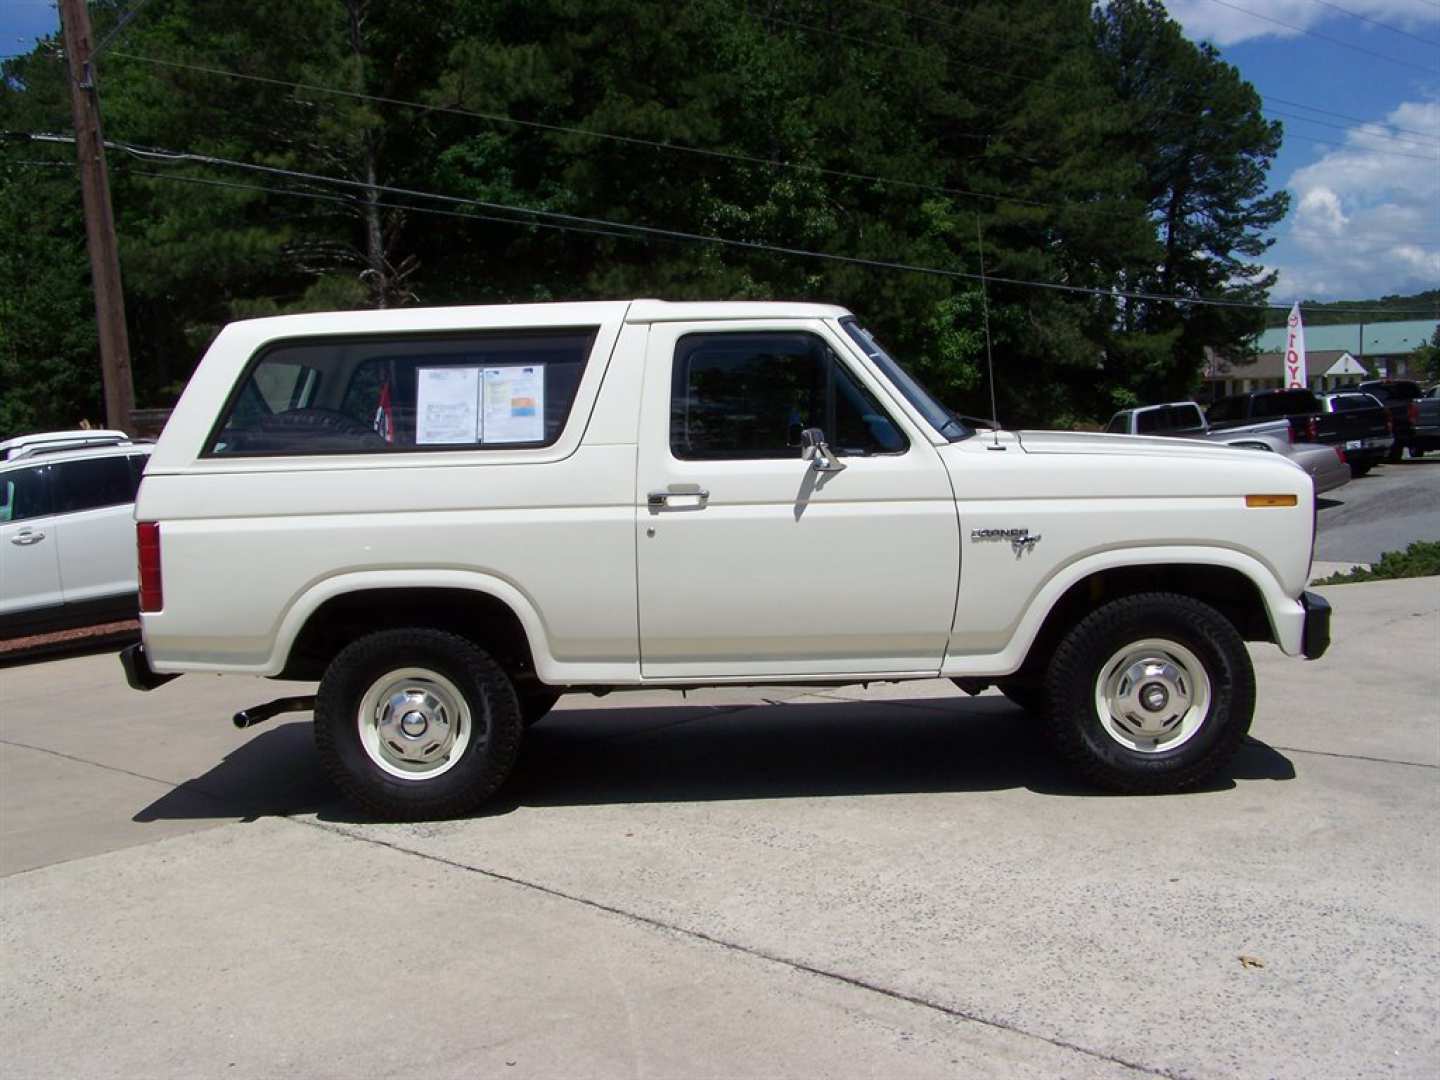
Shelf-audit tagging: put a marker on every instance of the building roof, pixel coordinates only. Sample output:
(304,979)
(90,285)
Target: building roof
(1381,338)
(1270,365)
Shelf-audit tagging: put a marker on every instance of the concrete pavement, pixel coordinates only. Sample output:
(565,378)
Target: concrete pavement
(745,882)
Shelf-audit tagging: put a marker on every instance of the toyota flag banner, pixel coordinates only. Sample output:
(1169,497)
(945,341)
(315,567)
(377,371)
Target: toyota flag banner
(1295,373)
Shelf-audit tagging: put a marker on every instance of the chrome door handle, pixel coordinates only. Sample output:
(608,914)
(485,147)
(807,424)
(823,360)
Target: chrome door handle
(683,500)
(27,537)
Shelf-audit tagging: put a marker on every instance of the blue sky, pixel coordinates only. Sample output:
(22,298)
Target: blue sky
(1363,169)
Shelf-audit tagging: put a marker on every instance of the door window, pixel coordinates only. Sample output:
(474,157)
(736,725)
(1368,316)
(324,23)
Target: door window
(748,395)
(93,483)
(25,493)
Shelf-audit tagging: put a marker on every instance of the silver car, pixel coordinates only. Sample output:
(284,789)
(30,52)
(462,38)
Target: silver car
(1326,465)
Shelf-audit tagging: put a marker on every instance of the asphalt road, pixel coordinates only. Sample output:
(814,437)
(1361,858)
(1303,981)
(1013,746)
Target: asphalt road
(893,883)
(1388,510)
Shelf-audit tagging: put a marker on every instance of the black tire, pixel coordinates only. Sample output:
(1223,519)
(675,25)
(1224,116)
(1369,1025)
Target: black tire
(1079,665)
(1029,694)
(482,764)
(536,704)
(1416,452)
(1359,470)
(1397,451)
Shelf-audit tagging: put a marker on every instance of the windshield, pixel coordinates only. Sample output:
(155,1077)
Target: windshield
(941,419)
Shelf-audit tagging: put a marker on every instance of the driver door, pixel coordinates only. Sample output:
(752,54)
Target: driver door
(752,562)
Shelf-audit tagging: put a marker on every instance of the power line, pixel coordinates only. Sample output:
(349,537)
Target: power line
(634,140)
(1364,124)
(1347,116)
(178,156)
(119,27)
(946,24)
(811,28)
(1377,22)
(1325,37)
(357,204)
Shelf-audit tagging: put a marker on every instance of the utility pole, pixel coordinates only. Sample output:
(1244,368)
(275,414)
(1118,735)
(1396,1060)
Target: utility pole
(99,218)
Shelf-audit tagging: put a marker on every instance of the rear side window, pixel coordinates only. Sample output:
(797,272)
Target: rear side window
(1168,418)
(25,493)
(748,396)
(1285,403)
(1117,424)
(1352,402)
(1226,409)
(405,393)
(1395,391)
(92,484)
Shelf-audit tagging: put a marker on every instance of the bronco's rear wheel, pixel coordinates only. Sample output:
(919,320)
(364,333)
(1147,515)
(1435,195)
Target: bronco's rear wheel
(416,723)
(1151,693)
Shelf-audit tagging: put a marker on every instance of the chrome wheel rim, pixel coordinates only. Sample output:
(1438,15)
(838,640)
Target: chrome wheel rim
(414,723)
(1152,696)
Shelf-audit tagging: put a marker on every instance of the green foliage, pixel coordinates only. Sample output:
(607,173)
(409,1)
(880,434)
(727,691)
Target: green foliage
(1385,309)
(1126,157)
(1420,559)
(1427,357)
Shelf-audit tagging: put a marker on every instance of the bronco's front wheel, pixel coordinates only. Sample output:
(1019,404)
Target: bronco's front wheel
(416,723)
(1151,693)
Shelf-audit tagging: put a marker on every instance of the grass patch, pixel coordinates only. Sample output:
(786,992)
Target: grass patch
(1420,559)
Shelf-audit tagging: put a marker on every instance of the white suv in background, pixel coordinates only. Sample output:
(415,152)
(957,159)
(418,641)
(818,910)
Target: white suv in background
(67,531)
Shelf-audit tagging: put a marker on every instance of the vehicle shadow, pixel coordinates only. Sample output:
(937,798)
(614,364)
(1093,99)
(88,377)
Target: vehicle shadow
(696,753)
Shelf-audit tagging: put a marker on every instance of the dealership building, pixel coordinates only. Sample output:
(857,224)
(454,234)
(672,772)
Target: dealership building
(1335,356)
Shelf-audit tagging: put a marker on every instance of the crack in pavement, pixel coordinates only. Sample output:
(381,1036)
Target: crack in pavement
(101,765)
(746,950)
(1350,757)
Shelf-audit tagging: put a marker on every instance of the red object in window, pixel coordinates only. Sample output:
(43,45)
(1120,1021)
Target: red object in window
(147,544)
(384,415)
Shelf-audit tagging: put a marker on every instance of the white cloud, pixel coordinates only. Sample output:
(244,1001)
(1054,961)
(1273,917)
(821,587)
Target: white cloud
(1366,222)
(1241,20)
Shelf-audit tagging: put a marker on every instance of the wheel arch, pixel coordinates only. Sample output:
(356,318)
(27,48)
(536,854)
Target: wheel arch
(1225,588)
(1243,589)
(491,612)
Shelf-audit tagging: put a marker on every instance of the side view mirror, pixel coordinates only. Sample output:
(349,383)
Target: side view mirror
(815,450)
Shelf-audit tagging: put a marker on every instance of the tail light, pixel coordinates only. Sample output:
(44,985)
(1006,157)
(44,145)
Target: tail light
(1304,430)
(1340,454)
(1413,412)
(1389,423)
(147,545)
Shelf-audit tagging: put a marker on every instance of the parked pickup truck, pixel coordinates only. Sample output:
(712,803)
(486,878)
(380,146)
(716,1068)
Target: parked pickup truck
(1185,419)
(1365,428)
(1414,417)
(449,517)
(1326,465)
(1310,421)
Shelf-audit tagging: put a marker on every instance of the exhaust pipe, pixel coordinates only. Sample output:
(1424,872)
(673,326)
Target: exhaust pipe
(258,714)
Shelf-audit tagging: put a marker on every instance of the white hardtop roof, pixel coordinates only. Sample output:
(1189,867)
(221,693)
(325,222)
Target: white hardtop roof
(48,456)
(501,316)
(668,311)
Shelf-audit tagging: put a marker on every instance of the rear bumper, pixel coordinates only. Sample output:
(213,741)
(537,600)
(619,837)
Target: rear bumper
(1316,637)
(138,672)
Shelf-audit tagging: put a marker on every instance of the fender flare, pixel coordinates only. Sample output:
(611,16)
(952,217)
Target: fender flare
(1286,614)
(309,601)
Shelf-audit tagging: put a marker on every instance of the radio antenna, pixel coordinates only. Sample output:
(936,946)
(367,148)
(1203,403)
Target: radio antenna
(989,359)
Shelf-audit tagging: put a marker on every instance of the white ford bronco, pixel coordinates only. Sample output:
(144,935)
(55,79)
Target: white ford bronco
(449,517)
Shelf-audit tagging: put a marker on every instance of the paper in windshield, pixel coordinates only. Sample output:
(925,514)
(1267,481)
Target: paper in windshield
(447,405)
(514,404)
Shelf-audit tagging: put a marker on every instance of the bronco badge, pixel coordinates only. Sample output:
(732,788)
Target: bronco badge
(1020,539)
